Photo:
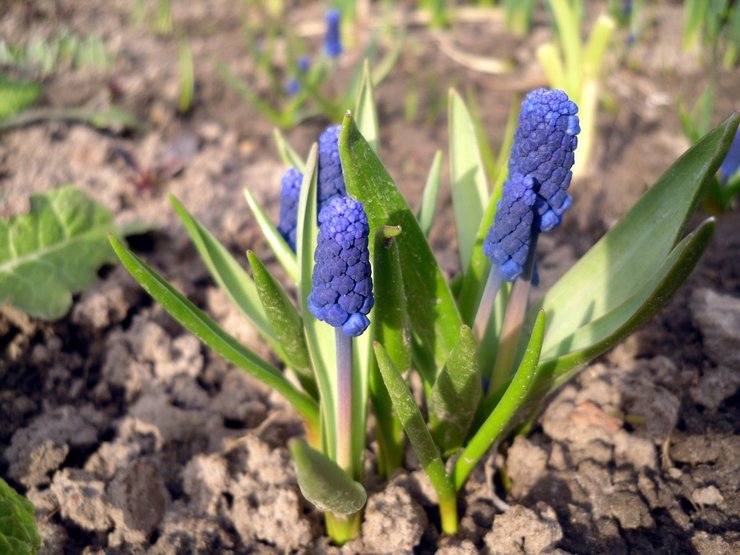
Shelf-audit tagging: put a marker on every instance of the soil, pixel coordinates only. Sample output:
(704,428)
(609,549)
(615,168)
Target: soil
(130,437)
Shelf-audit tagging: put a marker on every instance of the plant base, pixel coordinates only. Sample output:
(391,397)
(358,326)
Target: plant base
(342,529)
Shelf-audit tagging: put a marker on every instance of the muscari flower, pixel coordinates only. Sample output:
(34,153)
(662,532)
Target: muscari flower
(289,195)
(342,293)
(293,86)
(332,39)
(330,178)
(731,163)
(535,192)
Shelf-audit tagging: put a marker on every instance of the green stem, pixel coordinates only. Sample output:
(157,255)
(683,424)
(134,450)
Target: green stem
(493,284)
(344,400)
(342,529)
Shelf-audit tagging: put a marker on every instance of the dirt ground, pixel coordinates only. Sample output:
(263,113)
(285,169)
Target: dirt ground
(130,437)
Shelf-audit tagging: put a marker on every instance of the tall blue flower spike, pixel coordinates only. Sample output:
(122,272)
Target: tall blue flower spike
(332,39)
(331,178)
(342,293)
(535,192)
(289,195)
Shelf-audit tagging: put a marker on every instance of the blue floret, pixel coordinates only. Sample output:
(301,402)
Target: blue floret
(331,178)
(535,193)
(289,195)
(731,163)
(332,39)
(342,292)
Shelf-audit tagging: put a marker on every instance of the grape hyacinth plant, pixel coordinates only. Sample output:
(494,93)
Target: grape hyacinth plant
(374,306)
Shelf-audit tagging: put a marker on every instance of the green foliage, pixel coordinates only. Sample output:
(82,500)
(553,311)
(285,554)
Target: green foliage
(16,95)
(187,78)
(18,532)
(53,251)
(45,56)
(715,26)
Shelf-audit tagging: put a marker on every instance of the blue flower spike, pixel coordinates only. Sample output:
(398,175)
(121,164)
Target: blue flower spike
(293,86)
(535,194)
(534,199)
(342,293)
(332,39)
(331,178)
(289,195)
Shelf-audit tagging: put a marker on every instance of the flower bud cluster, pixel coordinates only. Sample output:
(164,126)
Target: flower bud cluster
(535,193)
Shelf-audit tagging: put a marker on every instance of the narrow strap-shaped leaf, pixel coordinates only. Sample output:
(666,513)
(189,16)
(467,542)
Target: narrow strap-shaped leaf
(432,310)
(319,336)
(428,206)
(282,250)
(514,397)
(227,273)
(562,360)
(456,394)
(632,251)
(285,321)
(468,177)
(392,329)
(413,424)
(205,329)
(323,483)
(365,111)
(289,156)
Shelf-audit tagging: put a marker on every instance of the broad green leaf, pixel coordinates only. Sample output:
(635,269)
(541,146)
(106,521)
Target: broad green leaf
(289,156)
(53,251)
(468,177)
(456,394)
(413,423)
(319,336)
(510,402)
(15,95)
(280,248)
(18,532)
(365,111)
(205,329)
(432,310)
(323,483)
(285,322)
(562,360)
(392,329)
(428,206)
(626,258)
(227,273)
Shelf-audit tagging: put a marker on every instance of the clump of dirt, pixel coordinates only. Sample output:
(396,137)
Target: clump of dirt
(130,437)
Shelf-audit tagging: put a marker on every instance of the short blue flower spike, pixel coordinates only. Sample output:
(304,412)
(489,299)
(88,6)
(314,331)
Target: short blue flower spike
(332,39)
(535,193)
(342,293)
(293,86)
(331,178)
(731,163)
(289,195)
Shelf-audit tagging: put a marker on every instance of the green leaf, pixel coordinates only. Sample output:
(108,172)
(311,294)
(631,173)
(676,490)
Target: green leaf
(513,398)
(205,329)
(284,321)
(53,251)
(319,336)
(227,273)
(626,258)
(280,248)
(456,394)
(289,156)
(18,532)
(187,78)
(428,206)
(432,310)
(323,483)
(365,112)
(413,424)
(468,177)
(392,328)
(16,95)
(561,361)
